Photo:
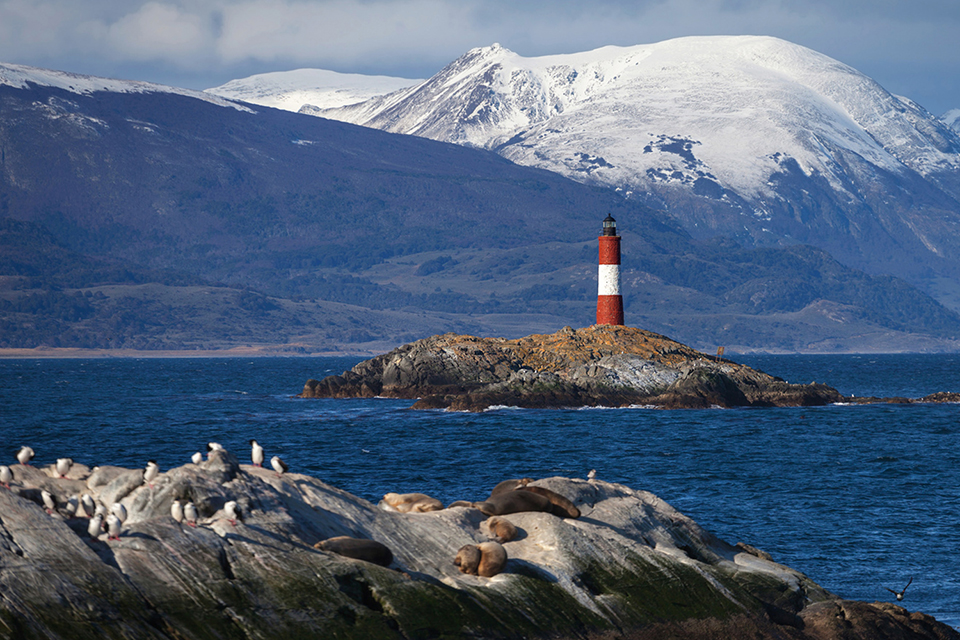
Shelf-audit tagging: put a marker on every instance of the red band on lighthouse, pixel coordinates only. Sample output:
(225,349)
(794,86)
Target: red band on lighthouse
(609,300)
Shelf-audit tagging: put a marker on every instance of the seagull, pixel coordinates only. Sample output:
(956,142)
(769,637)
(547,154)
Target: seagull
(120,511)
(190,514)
(176,511)
(48,501)
(213,446)
(95,527)
(25,455)
(63,466)
(279,465)
(89,506)
(73,502)
(151,472)
(900,593)
(256,453)
(232,512)
(592,475)
(113,527)
(196,458)
(6,476)
(100,510)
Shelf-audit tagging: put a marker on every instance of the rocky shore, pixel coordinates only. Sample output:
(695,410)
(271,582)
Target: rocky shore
(596,366)
(267,559)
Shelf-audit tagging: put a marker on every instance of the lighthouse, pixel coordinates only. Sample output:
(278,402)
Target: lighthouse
(609,300)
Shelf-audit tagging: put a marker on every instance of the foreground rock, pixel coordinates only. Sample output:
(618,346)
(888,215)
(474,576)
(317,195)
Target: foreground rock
(628,566)
(596,366)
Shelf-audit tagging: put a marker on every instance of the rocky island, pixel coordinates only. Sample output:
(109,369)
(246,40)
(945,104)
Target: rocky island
(602,365)
(264,554)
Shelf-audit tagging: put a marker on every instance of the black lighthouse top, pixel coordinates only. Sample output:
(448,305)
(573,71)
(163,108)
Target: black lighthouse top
(609,226)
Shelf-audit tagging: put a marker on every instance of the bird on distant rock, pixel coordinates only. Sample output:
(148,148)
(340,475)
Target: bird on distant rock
(196,458)
(100,510)
(25,455)
(89,506)
(95,527)
(900,593)
(150,472)
(190,514)
(232,511)
(176,511)
(63,466)
(279,465)
(49,502)
(592,475)
(120,511)
(256,453)
(6,476)
(73,503)
(113,527)
(213,446)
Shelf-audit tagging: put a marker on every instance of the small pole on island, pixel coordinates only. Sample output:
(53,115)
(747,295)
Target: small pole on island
(609,300)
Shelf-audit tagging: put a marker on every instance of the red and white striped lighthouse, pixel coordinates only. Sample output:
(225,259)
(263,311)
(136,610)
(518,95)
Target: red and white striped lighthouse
(609,300)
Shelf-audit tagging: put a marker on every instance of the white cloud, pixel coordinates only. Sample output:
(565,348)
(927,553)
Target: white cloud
(159,31)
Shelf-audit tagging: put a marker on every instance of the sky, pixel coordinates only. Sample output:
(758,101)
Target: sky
(909,47)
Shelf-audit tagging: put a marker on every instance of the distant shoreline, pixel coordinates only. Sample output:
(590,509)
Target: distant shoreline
(42,353)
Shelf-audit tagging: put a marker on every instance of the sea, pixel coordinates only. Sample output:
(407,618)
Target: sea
(859,498)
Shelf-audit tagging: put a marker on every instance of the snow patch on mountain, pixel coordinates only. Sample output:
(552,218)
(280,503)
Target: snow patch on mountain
(715,114)
(952,118)
(21,77)
(291,90)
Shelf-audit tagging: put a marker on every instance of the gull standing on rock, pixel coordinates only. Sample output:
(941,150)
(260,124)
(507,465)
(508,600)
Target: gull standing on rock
(232,512)
(48,501)
(150,473)
(196,458)
(6,476)
(95,527)
(113,527)
(176,511)
(213,446)
(120,511)
(279,465)
(25,455)
(256,453)
(190,514)
(89,506)
(63,466)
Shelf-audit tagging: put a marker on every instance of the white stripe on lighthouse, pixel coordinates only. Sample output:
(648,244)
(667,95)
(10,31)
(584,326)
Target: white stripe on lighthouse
(609,280)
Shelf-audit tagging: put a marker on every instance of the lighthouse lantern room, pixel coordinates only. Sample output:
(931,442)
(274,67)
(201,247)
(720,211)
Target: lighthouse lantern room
(609,299)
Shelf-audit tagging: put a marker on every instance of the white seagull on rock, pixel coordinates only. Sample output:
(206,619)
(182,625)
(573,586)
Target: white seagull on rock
(150,472)
(95,527)
(6,476)
(25,455)
(279,465)
(256,453)
(196,458)
(190,514)
(120,511)
(48,501)
(232,512)
(63,466)
(113,527)
(176,511)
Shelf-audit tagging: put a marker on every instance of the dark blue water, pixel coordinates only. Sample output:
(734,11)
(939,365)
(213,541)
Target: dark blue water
(857,497)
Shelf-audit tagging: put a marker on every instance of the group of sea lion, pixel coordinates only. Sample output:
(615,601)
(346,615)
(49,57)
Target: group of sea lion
(486,559)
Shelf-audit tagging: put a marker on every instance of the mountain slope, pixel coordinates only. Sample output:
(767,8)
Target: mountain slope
(749,137)
(291,90)
(157,219)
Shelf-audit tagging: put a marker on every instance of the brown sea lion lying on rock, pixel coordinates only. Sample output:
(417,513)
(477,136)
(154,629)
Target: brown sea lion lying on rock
(500,529)
(503,500)
(412,502)
(486,559)
(510,485)
(358,549)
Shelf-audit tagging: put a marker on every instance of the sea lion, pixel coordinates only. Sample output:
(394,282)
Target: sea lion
(493,557)
(510,485)
(468,559)
(460,503)
(500,529)
(564,508)
(358,549)
(412,502)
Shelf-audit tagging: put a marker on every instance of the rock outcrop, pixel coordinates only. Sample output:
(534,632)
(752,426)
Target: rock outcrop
(596,366)
(628,566)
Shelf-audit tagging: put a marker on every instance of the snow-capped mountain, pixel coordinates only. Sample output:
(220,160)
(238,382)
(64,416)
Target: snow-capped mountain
(291,90)
(952,118)
(754,137)
(21,77)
